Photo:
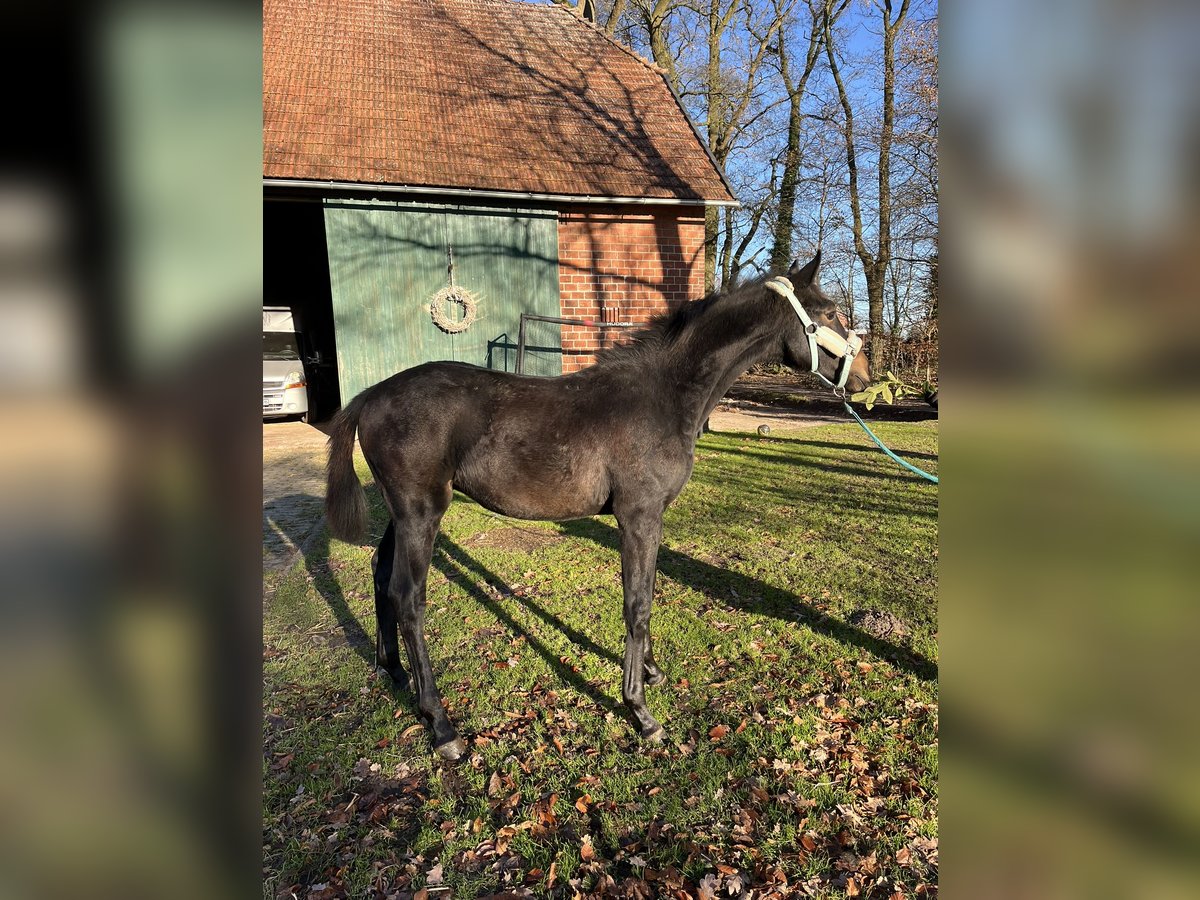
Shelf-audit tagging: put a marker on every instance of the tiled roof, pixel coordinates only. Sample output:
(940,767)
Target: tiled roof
(483,94)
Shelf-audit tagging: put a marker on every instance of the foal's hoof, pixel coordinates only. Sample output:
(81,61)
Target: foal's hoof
(654,679)
(451,750)
(399,677)
(655,736)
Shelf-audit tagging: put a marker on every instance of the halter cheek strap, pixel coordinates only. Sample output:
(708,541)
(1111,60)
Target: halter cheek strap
(847,348)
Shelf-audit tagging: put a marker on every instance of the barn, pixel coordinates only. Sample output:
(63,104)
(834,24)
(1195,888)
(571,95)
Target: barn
(436,170)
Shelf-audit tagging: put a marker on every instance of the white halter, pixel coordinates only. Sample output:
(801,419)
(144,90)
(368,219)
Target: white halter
(847,348)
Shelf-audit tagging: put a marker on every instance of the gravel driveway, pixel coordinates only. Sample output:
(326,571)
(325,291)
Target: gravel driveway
(293,489)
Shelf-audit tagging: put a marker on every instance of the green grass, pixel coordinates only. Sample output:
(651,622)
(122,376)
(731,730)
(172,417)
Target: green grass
(828,770)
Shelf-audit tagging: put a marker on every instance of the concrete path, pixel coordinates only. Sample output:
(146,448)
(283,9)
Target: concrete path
(293,489)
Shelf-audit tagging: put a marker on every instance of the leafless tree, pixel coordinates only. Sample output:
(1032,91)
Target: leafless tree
(875,263)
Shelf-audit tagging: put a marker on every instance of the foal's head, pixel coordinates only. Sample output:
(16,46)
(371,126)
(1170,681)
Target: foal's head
(823,312)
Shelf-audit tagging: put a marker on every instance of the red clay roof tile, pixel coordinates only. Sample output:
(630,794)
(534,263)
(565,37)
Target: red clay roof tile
(482,94)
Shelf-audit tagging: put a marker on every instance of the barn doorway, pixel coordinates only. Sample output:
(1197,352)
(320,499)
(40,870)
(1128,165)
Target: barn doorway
(296,276)
(389,261)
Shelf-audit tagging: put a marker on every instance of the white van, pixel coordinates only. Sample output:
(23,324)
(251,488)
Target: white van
(285,389)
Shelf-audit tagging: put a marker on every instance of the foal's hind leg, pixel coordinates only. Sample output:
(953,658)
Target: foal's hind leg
(387,645)
(416,527)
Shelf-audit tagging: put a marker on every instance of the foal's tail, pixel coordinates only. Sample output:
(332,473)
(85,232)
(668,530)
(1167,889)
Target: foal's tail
(345,502)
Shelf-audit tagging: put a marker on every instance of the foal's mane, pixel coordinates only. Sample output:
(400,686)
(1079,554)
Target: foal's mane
(665,330)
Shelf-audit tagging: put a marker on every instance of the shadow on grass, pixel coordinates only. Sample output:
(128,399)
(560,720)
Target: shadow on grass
(826,445)
(314,544)
(699,576)
(460,567)
(452,560)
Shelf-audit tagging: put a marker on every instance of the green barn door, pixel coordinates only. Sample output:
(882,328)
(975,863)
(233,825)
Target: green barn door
(387,260)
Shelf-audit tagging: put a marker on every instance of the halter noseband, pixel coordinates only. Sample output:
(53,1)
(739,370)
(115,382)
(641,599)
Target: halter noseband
(847,348)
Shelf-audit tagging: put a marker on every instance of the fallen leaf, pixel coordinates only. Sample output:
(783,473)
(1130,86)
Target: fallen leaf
(808,842)
(719,732)
(582,803)
(586,851)
(435,875)
(851,887)
(282,762)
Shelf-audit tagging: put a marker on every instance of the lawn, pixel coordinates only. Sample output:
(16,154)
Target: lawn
(801,757)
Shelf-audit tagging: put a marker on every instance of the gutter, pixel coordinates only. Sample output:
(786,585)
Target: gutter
(487,194)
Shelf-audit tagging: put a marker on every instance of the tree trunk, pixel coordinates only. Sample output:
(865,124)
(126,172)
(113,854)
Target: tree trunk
(716,138)
(875,288)
(656,26)
(781,249)
(874,265)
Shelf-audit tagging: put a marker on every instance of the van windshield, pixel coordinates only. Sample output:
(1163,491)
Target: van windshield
(280,345)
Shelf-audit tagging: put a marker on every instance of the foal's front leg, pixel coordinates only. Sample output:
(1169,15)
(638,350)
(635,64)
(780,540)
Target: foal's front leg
(641,533)
(654,675)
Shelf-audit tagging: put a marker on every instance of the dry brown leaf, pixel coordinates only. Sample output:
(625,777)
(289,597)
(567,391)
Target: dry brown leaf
(719,732)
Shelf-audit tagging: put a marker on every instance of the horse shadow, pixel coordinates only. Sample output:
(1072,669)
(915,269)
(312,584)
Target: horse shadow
(752,595)
(828,445)
(314,543)
(462,569)
(458,567)
(452,561)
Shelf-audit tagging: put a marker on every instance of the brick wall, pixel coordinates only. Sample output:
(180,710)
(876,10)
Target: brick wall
(626,265)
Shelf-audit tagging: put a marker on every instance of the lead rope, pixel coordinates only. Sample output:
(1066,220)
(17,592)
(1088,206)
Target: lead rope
(884,448)
(783,287)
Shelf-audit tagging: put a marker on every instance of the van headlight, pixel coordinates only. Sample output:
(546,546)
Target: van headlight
(293,380)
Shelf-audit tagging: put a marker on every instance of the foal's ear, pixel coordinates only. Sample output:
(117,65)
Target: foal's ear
(804,276)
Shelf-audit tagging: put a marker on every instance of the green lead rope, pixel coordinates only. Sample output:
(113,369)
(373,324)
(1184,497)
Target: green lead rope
(884,448)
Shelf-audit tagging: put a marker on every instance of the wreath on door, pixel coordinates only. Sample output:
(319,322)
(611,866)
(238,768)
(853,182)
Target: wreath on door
(441,304)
